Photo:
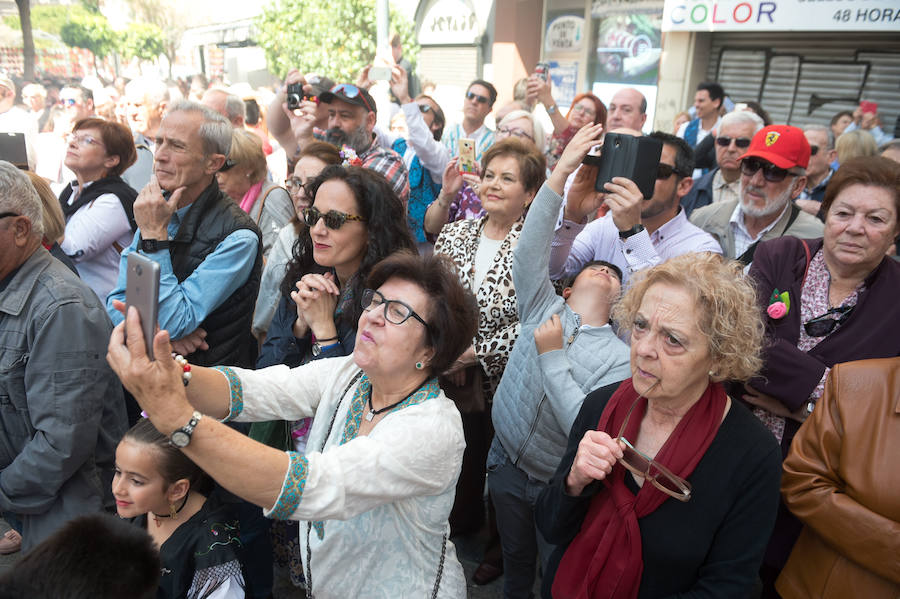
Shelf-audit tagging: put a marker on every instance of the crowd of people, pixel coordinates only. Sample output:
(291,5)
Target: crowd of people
(371,342)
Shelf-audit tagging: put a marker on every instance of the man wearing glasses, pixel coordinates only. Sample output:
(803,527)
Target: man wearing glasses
(723,184)
(773,173)
(351,123)
(77,103)
(478,103)
(636,233)
(819,171)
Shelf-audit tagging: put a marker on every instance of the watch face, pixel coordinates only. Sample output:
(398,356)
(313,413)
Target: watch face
(316,350)
(180,438)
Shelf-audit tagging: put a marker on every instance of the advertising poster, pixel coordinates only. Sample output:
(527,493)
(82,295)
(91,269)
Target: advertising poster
(627,38)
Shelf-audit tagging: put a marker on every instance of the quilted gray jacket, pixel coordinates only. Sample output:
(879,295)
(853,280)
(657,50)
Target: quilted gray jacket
(540,395)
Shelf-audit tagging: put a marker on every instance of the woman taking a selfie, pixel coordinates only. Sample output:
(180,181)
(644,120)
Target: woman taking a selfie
(374,488)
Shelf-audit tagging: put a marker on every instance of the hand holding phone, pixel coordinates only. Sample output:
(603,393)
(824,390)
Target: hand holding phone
(634,158)
(467,156)
(142,292)
(868,107)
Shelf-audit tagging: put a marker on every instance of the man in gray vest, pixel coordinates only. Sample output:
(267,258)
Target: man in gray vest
(208,249)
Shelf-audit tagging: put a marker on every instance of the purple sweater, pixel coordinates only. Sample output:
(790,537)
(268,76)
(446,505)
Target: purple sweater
(871,331)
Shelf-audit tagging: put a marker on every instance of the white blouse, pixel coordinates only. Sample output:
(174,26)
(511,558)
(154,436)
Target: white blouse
(374,508)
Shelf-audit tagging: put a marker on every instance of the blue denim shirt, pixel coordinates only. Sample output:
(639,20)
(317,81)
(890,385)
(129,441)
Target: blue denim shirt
(183,306)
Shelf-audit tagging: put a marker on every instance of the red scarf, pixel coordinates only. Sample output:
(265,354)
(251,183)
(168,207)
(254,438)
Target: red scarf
(604,559)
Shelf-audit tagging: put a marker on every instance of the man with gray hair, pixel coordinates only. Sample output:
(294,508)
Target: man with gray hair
(228,105)
(208,249)
(61,407)
(723,184)
(819,171)
(773,172)
(147,99)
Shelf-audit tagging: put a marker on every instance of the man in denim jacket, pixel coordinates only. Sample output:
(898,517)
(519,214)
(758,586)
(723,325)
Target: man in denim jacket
(61,406)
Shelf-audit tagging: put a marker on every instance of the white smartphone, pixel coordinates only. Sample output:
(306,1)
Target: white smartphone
(142,292)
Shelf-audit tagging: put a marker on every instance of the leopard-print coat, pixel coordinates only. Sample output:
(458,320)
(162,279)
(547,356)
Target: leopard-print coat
(498,318)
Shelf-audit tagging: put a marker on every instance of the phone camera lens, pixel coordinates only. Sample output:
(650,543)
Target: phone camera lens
(139,270)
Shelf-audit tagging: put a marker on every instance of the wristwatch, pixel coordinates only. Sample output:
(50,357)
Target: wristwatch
(148,246)
(632,231)
(552,109)
(317,349)
(182,437)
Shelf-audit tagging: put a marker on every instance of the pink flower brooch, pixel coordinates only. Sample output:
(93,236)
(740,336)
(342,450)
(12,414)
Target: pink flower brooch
(779,304)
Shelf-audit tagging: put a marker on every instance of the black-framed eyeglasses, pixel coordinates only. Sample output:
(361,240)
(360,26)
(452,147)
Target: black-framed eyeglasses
(395,311)
(771,173)
(6,214)
(227,165)
(515,132)
(648,468)
(823,325)
(813,150)
(741,142)
(351,91)
(477,97)
(293,184)
(333,219)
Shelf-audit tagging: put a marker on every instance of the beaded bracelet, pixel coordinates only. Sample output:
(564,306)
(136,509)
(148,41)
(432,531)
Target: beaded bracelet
(185,368)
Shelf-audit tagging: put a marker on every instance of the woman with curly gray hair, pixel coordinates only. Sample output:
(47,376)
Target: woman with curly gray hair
(668,487)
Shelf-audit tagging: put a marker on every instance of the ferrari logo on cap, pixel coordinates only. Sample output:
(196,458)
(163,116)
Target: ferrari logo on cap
(772,137)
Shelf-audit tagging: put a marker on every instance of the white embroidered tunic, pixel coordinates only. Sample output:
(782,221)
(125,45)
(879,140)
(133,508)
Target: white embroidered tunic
(377,504)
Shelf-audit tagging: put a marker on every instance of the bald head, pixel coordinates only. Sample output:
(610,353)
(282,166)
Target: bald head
(628,109)
(228,105)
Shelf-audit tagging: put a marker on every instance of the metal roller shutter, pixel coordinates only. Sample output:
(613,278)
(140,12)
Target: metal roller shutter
(805,78)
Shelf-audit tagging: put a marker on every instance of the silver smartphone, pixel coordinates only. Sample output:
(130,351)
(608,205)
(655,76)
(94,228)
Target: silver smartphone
(142,292)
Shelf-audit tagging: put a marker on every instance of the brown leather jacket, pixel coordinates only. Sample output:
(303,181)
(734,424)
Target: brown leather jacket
(842,479)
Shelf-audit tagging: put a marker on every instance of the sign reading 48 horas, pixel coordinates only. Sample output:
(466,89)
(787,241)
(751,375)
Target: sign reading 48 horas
(781,15)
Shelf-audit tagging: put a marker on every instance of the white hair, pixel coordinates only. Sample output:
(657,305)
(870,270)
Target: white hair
(743,117)
(215,131)
(535,125)
(18,195)
(149,89)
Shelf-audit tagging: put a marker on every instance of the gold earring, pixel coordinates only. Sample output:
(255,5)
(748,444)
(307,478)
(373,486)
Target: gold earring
(173,513)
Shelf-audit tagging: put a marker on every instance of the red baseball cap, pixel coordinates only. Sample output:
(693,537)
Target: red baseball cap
(782,145)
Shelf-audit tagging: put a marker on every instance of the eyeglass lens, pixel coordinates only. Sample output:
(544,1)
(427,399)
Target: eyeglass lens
(333,219)
(474,96)
(813,150)
(664,171)
(741,142)
(771,173)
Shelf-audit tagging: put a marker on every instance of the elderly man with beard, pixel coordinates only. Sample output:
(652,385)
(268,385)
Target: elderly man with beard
(723,183)
(773,172)
(351,125)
